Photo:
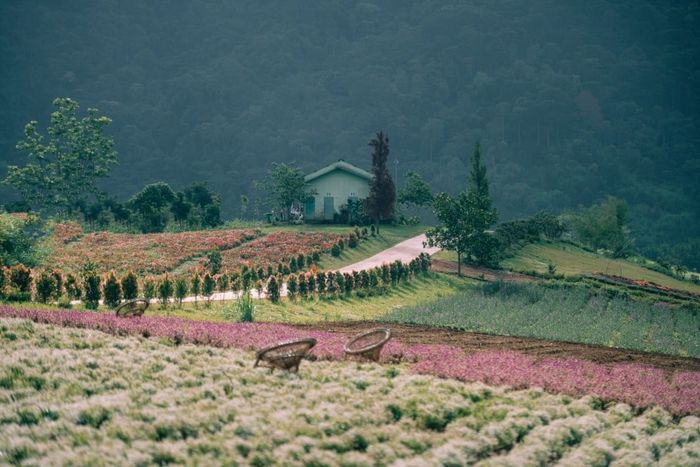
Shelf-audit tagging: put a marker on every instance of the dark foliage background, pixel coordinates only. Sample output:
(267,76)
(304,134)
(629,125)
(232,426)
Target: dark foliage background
(572,100)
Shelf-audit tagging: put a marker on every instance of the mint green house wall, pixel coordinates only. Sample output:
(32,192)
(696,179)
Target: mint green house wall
(334,185)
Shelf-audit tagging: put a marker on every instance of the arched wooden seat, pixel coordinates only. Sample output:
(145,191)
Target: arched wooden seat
(285,355)
(135,307)
(368,345)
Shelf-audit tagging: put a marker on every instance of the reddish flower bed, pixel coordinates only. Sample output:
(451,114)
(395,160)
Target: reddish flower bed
(278,247)
(141,253)
(638,385)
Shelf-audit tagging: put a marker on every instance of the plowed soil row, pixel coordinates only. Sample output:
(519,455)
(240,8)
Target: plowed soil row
(474,342)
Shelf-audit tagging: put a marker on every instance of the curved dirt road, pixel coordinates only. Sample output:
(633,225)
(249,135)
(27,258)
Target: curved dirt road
(404,251)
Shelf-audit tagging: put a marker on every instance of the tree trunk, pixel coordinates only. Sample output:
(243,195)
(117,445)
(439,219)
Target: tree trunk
(376,226)
(459,263)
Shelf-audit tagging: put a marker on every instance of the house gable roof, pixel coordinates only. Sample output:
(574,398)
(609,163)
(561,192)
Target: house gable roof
(339,165)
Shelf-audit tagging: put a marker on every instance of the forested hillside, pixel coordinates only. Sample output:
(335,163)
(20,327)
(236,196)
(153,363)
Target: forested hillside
(571,100)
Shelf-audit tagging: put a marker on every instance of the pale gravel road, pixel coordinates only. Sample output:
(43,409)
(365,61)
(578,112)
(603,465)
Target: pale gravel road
(404,251)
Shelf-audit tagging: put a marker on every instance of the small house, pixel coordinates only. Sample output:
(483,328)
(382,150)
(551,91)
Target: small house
(335,184)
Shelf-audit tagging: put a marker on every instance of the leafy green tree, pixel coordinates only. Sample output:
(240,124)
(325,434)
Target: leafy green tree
(379,205)
(112,290)
(466,218)
(63,167)
(73,289)
(604,225)
(415,191)
(165,290)
(273,289)
(151,206)
(149,288)
(303,286)
(196,286)
(181,289)
(130,286)
(285,186)
(208,286)
(292,287)
(17,239)
(45,286)
(91,286)
(214,261)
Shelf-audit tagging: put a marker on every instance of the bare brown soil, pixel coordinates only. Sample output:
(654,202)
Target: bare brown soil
(473,342)
(485,274)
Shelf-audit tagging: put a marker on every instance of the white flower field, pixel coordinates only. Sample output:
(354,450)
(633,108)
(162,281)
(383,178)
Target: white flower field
(74,396)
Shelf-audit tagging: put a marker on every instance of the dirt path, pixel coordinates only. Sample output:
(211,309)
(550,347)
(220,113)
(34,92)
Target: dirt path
(404,251)
(472,342)
(490,275)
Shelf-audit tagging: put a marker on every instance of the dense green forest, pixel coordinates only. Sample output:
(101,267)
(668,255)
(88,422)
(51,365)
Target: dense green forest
(572,101)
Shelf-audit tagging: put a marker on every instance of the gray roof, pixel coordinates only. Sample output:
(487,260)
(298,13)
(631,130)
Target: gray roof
(340,165)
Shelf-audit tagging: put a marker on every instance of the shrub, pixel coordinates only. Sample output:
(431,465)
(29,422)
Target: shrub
(394,272)
(130,286)
(373,282)
(246,279)
(269,270)
(331,284)
(309,261)
(196,286)
(165,290)
(149,288)
(21,278)
(73,289)
(45,287)
(246,307)
(58,279)
(386,273)
(293,265)
(301,261)
(335,250)
(357,282)
(261,274)
(352,240)
(259,287)
(181,289)
(340,280)
(349,283)
(91,286)
(208,285)
(292,287)
(273,289)
(112,291)
(222,283)
(316,256)
(311,280)
(214,262)
(320,282)
(303,286)
(3,281)
(364,280)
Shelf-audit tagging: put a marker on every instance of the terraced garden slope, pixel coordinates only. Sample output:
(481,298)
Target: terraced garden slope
(562,312)
(571,260)
(84,397)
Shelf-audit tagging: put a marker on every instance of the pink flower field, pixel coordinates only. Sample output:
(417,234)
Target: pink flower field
(638,385)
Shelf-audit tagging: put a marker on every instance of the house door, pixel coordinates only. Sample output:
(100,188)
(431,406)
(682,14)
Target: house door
(310,208)
(328,208)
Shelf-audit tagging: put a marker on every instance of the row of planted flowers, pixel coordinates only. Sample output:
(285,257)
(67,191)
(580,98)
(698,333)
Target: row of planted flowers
(17,282)
(639,385)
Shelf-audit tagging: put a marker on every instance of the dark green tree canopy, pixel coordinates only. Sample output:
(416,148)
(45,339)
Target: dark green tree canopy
(416,191)
(63,167)
(284,185)
(381,201)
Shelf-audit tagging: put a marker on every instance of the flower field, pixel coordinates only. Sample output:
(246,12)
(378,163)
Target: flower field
(638,385)
(163,252)
(78,396)
(278,247)
(141,253)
